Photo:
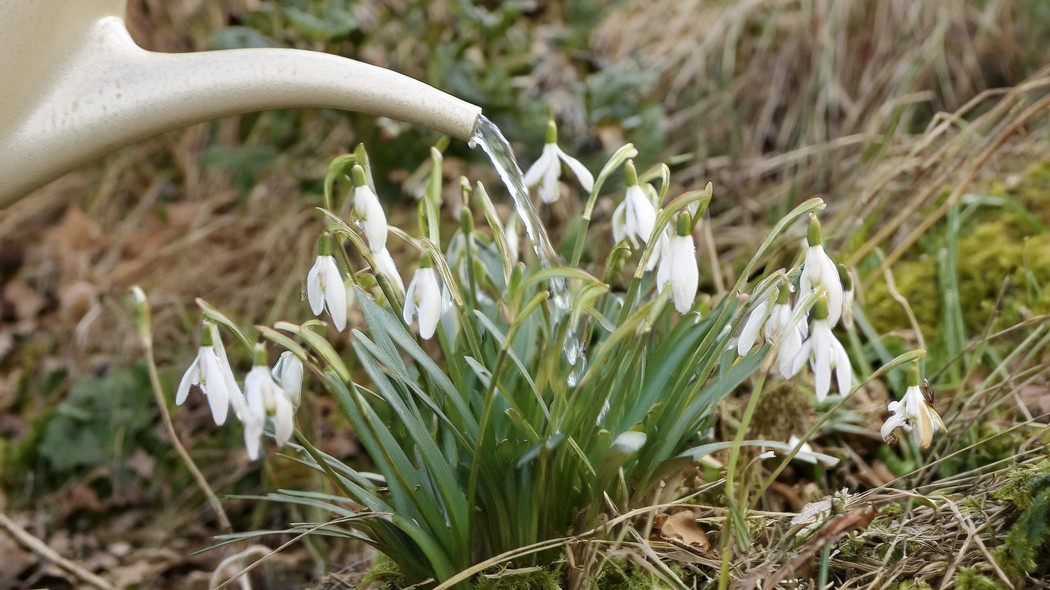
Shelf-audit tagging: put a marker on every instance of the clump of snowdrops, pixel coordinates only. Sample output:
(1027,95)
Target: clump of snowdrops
(486,439)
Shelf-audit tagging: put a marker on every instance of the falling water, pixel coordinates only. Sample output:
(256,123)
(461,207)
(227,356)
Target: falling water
(488,136)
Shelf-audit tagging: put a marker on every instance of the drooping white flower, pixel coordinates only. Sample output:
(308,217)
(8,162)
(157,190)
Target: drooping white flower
(824,353)
(634,219)
(819,271)
(678,266)
(386,267)
(758,318)
(207,371)
(265,397)
(912,412)
(423,299)
(806,453)
(547,169)
(369,211)
(325,288)
(772,319)
(236,397)
(288,373)
(781,325)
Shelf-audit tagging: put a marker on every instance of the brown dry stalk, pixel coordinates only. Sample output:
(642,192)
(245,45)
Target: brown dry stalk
(42,549)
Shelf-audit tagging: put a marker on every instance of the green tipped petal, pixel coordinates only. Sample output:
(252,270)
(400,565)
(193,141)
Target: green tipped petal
(820,308)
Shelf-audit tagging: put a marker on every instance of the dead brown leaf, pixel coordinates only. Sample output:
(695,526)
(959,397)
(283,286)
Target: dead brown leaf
(683,525)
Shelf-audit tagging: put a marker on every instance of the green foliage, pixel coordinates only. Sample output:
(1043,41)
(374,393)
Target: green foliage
(969,578)
(914,585)
(488,439)
(626,575)
(102,418)
(1027,544)
(536,578)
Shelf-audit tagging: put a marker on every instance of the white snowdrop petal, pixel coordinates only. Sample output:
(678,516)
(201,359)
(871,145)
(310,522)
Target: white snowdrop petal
(386,267)
(549,191)
(314,288)
(368,207)
(545,162)
(283,422)
(803,355)
(190,378)
(335,294)
(218,397)
(579,170)
(749,333)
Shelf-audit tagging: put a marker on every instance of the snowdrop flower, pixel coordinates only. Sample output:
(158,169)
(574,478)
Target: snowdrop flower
(847,295)
(754,323)
(818,270)
(369,211)
(324,285)
(678,266)
(772,319)
(265,398)
(781,325)
(824,353)
(386,267)
(806,453)
(913,411)
(635,217)
(423,299)
(288,373)
(208,372)
(547,169)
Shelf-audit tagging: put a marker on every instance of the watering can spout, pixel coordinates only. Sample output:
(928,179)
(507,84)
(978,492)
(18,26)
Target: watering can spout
(102,92)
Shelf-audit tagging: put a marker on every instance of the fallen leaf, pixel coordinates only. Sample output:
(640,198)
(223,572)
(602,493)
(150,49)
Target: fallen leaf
(683,525)
(24,299)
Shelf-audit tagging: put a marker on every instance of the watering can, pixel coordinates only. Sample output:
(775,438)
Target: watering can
(75,86)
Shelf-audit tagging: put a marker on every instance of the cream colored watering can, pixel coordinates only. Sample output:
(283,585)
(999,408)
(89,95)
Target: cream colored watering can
(74,86)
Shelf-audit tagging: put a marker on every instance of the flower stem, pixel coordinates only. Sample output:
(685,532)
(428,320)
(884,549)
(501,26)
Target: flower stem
(146,339)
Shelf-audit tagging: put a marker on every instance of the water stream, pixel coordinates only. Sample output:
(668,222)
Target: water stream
(488,137)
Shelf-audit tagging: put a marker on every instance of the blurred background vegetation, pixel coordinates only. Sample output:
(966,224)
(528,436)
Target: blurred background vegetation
(773,101)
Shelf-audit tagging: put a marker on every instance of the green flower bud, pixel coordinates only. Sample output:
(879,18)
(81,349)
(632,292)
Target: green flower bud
(324,245)
(813,236)
(685,224)
(552,132)
(630,174)
(357,175)
(913,375)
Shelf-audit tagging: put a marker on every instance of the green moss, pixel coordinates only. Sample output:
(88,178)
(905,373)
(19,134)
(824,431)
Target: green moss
(538,578)
(970,579)
(1018,487)
(891,509)
(992,252)
(784,410)
(916,280)
(914,585)
(851,546)
(624,575)
(1027,544)
(384,573)
(896,551)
